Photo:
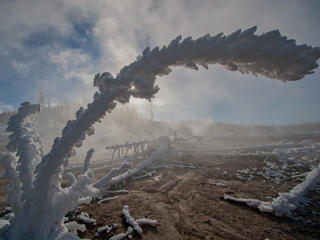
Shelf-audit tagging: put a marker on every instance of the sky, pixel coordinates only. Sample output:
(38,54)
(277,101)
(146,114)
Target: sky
(62,44)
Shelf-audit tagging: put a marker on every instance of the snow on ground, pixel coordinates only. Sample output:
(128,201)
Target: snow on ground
(283,161)
(85,218)
(285,203)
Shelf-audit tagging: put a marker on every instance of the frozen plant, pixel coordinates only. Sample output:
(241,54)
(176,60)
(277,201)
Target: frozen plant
(130,220)
(104,182)
(285,203)
(121,236)
(137,147)
(107,199)
(87,160)
(162,149)
(45,220)
(134,225)
(85,218)
(74,227)
(107,229)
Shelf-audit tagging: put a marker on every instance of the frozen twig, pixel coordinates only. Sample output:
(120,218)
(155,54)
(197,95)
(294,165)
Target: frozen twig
(147,221)
(87,160)
(137,147)
(121,236)
(74,227)
(107,199)
(104,181)
(130,220)
(85,218)
(285,203)
(107,229)
(134,224)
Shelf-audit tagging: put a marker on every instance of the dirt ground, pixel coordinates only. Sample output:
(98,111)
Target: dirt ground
(188,204)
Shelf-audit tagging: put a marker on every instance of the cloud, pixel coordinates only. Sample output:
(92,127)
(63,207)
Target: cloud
(63,43)
(5,108)
(21,67)
(69,58)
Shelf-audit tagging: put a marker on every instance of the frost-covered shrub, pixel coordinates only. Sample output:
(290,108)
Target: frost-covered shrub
(44,220)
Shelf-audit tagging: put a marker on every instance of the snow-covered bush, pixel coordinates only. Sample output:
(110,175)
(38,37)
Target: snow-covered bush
(36,196)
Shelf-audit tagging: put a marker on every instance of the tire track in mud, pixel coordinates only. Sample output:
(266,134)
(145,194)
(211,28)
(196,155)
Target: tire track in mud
(180,194)
(187,204)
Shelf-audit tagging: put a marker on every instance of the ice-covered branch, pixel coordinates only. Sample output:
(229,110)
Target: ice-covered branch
(87,160)
(285,203)
(137,147)
(74,227)
(104,182)
(134,224)
(121,236)
(26,143)
(270,55)
(162,148)
(130,220)
(147,221)
(49,221)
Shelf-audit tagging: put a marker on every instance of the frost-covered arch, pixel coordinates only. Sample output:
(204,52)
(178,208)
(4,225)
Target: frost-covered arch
(270,55)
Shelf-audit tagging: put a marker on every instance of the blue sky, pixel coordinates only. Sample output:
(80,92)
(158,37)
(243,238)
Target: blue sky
(62,44)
